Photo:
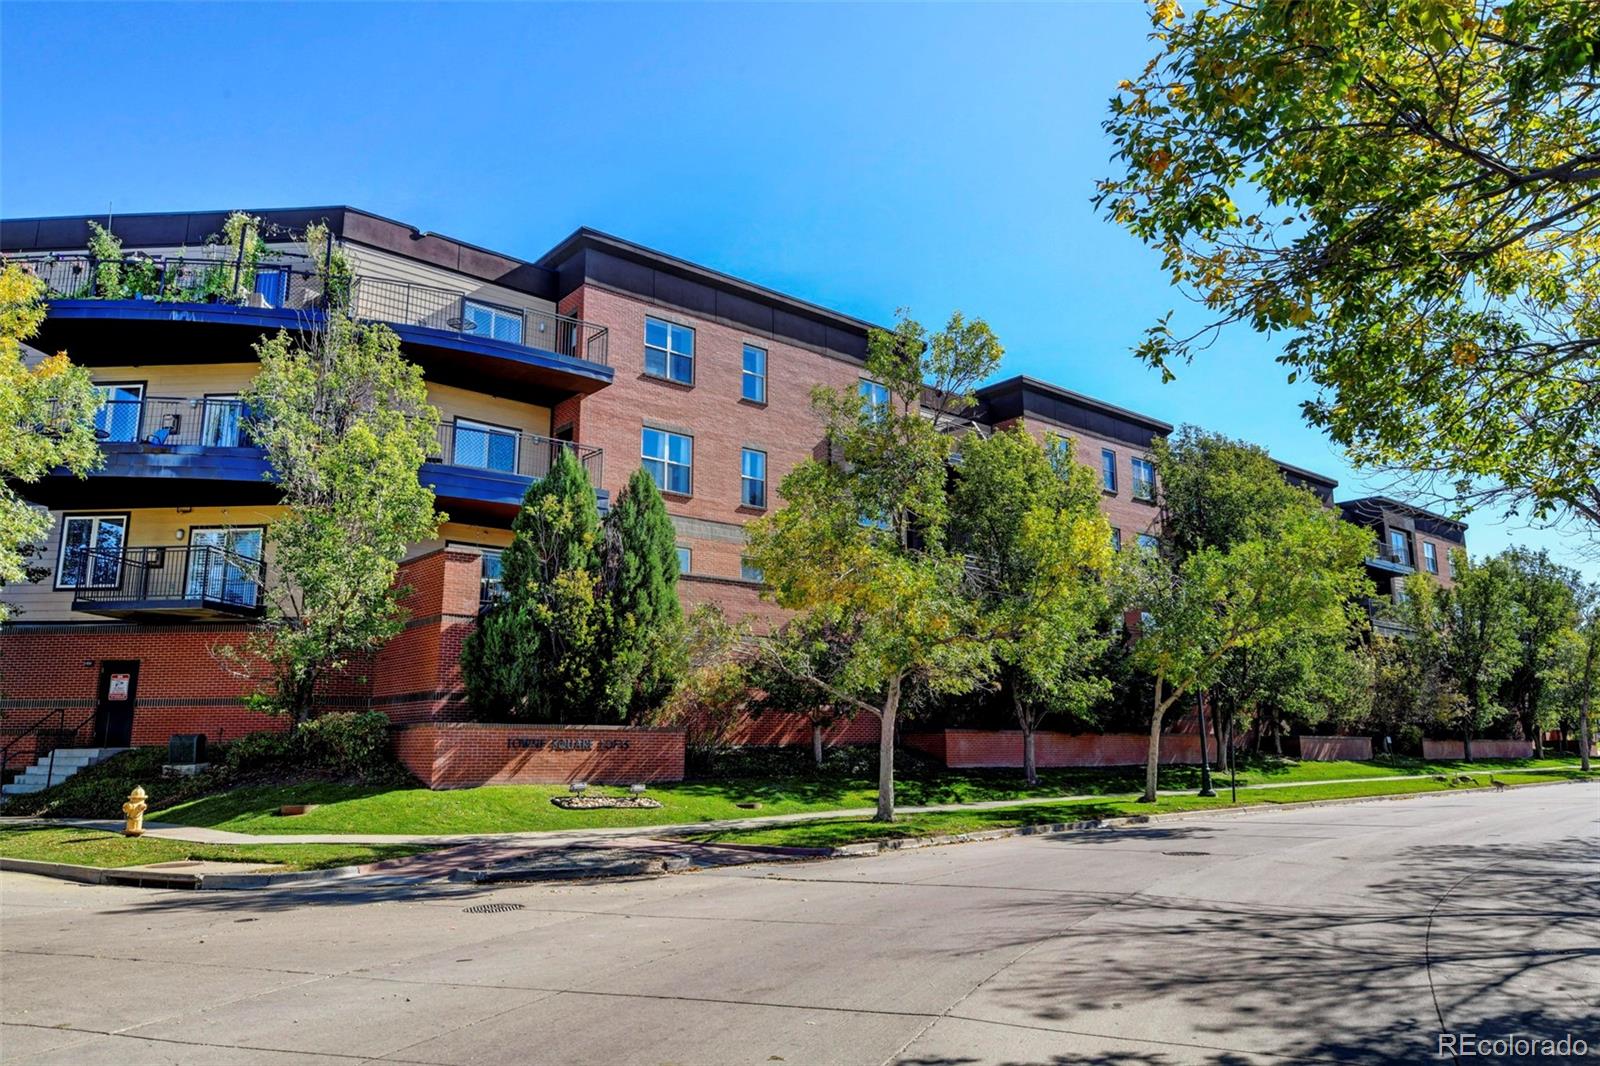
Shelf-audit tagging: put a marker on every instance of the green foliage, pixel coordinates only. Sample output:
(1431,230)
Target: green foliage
(330,261)
(859,546)
(536,654)
(1405,188)
(46,421)
(640,642)
(346,425)
(348,743)
(105,248)
(1546,606)
(1038,553)
(1215,492)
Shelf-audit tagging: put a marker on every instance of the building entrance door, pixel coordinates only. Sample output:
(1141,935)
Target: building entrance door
(119,692)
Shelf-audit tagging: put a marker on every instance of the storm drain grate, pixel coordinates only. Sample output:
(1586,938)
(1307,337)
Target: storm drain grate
(492,908)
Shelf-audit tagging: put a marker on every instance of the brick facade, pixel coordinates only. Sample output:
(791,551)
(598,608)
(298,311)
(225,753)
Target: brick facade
(469,754)
(972,748)
(417,677)
(1481,749)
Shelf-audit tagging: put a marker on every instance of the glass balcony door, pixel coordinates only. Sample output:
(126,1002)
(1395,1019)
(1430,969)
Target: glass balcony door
(230,571)
(120,414)
(221,425)
(484,446)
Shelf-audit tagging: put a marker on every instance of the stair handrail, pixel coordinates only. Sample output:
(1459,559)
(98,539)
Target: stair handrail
(58,715)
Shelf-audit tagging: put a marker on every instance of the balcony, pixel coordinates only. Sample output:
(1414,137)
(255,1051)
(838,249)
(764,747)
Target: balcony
(488,468)
(455,336)
(1391,562)
(192,581)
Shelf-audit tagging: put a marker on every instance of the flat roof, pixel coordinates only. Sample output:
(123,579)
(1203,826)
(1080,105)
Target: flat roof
(1368,502)
(1022,382)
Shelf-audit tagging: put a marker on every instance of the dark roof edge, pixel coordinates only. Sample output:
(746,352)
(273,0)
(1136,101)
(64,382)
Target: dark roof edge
(1400,505)
(1023,381)
(1309,475)
(586,236)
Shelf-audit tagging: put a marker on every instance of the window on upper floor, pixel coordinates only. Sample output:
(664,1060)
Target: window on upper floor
(1430,557)
(91,551)
(753,478)
(1144,479)
(748,572)
(1149,542)
(1116,539)
(120,414)
(1400,547)
(669,457)
(495,323)
(481,445)
(753,381)
(876,395)
(222,421)
(1108,470)
(685,559)
(669,351)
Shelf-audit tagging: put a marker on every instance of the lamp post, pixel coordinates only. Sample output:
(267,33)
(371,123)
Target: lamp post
(1205,757)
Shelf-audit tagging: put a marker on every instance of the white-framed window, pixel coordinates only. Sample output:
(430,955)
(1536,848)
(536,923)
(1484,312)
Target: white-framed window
(483,445)
(120,414)
(1108,470)
(491,580)
(669,351)
(876,395)
(496,323)
(1430,556)
(222,421)
(669,457)
(1144,479)
(748,572)
(1400,547)
(753,380)
(1116,539)
(1149,541)
(752,478)
(225,564)
(91,551)
(685,558)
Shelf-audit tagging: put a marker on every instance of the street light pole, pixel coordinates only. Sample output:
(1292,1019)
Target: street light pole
(1205,756)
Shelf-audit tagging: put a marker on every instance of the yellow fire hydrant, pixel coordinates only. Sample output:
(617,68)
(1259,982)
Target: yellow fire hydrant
(134,809)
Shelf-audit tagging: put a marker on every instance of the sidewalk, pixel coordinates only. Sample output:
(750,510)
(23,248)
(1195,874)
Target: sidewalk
(599,835)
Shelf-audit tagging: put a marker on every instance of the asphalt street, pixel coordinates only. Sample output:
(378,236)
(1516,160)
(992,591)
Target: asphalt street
(1347,933)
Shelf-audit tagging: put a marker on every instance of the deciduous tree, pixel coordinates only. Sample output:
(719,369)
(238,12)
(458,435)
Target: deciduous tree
(46,421)
(1409,192)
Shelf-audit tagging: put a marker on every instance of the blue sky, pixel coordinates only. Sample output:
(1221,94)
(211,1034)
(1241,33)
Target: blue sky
(864,157)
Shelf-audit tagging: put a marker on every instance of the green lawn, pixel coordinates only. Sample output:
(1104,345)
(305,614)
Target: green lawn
(838,831)
(92,847)
(514,808)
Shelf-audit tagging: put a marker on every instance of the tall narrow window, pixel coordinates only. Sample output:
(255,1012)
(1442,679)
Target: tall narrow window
(1400,547)
(1430,556)
(1144,479)
(91,551)
(753,383)
(685,559)
(669,457)
(495,323)
(669,351)
(491,584)
(876,395)
(1116,539)
(222,421)
(1108,470)
(753,478)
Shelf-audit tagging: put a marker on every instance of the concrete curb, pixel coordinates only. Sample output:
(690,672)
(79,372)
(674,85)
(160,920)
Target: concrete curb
(145,878)
(571,871)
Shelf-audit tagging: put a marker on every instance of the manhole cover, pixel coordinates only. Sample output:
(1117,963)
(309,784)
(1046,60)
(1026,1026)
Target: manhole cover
(1186,853)
(492,908)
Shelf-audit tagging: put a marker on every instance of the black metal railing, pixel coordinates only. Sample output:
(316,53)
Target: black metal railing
(44,740)
(291,281)
(207,422)
(507,451)
(392,300)
(180,576)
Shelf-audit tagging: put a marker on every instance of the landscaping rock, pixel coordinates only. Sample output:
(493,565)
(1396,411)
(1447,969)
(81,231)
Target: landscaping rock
(593,803)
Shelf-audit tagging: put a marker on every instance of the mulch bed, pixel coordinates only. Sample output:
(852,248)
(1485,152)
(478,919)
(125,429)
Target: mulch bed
(592,803)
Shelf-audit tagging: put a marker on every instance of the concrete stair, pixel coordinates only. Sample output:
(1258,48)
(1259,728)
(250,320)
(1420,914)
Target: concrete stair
(68,761)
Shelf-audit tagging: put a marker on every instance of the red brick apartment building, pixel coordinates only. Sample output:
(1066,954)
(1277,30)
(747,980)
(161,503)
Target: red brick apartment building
(622,354)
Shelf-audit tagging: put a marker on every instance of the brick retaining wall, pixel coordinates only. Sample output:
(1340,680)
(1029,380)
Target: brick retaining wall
(1333,749)
(468,754)
(1481,749)
(971,748)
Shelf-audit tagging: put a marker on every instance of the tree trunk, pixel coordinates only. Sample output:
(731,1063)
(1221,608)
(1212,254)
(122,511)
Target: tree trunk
(1152,760)
(1466,742)
(1277,734)
(816,743)
(1030,762)
(891,704)
(1216,734)
(1583,734)
(1589,664)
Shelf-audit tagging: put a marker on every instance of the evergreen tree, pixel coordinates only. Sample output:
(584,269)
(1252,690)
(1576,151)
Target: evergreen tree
(640,647)
(535,655)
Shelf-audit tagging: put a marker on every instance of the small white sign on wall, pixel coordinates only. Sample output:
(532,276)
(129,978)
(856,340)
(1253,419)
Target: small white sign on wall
(118,688)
